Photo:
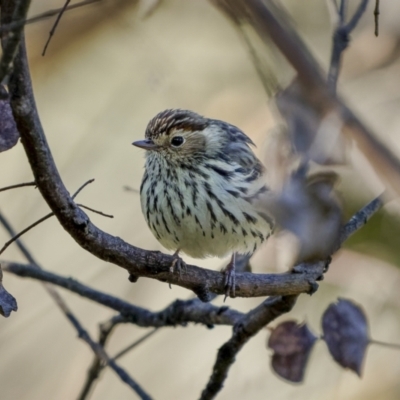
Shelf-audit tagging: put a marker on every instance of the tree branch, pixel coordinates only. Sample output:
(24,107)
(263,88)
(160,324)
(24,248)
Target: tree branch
(180,312)
(341,39)
(243,330)
(82,333)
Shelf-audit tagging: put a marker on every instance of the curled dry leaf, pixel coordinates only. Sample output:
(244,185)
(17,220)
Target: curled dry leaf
(292,344)
(8,130)
(7,302)
(345,331)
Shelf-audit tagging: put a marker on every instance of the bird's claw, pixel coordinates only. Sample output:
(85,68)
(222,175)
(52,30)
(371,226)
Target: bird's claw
(177,265)
(229,282)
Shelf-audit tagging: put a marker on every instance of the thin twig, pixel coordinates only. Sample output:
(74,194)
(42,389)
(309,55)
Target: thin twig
(39,17)
(97,366)
(19,185)
(131,189)
(95,211)
(53,29)
(376,17)
(39,221)
(357,15)
(82,187)
(28,228)
(384,344)
(135,343)
(342,11)
(101,353)
(341,39)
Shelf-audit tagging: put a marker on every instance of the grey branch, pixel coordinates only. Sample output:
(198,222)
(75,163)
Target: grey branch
(341,39)
(243,330)
(180,312)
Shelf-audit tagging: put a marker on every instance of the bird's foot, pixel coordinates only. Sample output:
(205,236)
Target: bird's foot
(230,279)
(177,265)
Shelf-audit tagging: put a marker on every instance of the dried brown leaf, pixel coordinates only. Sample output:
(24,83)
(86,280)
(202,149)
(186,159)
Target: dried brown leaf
(345,329)
(292,344)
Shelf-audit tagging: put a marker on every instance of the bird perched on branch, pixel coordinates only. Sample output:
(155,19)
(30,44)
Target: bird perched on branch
(200,179)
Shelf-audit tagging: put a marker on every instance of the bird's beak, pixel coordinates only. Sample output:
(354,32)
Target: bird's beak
(146,144)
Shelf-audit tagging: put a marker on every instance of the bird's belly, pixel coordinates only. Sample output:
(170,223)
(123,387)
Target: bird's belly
(200,225)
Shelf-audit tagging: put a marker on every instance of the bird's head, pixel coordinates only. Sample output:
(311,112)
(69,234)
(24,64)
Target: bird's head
(182,134)
(176,134)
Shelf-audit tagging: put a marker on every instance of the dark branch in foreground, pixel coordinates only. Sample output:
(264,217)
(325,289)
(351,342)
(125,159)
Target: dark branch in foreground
(180,312)
(243,330)
(341,39)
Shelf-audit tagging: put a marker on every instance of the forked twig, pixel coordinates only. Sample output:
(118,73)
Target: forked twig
(40,220)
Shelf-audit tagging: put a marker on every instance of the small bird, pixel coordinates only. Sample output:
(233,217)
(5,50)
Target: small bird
(200,179)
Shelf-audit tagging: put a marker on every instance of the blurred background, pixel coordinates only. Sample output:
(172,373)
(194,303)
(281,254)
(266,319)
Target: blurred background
(109,69)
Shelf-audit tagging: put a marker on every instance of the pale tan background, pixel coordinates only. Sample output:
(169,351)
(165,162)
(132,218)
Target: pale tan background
(107,72)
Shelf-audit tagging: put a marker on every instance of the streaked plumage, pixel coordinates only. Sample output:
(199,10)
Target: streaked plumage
(195,195)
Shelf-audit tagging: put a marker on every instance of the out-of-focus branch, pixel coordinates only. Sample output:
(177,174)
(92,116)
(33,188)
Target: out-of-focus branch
(341,39)
(10,13)
(243,330)
(97,365)
(8,27)
(360,218)
(270,23)
(101,353)
(376,17)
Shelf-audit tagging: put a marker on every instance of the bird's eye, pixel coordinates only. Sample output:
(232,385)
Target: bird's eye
(177,141)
